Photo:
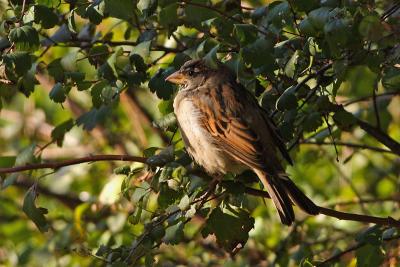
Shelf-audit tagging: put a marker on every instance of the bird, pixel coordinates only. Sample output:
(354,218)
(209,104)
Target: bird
(225,131)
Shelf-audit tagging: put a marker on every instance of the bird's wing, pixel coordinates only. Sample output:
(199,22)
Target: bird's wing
(277,138)
(238,127)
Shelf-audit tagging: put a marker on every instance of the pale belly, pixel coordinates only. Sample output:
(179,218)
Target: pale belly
(199,142)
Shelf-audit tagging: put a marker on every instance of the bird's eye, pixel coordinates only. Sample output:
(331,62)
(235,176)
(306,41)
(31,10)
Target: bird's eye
(191,73)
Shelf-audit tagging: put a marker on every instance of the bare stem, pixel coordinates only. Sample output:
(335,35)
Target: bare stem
(57,165)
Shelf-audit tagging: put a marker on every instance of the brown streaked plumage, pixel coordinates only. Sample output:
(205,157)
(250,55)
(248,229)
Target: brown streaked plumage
(225,130)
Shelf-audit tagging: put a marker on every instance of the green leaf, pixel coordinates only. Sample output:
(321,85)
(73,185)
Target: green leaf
(135,217)
(259,54)
(7,161)
(318,17)
(138,62)
(337,33)
(157,233)
(287,100)
(71,22)
(184,203)
(140,192)
(90,119)
(34,213)
(290,67)
(58,93)
(162,88)
(17,64)
(28,82)
(239,222)
(168,16)
(102,93)
(371,28)
(58,133)
(369,255)
(98,54)
(306,5)
(26,156)
(307,28)
(166,121)
(245,33)
(344,119)
(95,13)
(372,235)
(167,196)
(147,7)
(56,70)
(174,234)
(45,16)
(121,9)
(49,3)
(195,15)
(165,107)
(312,121)
(25,38)
(211,59)
(391,79)
(75,76)
(279,13)
(10,180)
(142,49)
(162,158)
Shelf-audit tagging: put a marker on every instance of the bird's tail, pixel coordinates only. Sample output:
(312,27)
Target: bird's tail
(284,193)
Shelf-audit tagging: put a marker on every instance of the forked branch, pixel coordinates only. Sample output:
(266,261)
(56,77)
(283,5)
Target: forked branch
(389,221)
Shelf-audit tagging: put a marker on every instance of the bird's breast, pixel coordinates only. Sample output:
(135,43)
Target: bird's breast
(200,144)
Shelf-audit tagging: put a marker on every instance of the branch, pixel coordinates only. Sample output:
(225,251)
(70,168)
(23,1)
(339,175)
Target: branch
(379,135)
(350,249)
(70,201)
(347,144)
(366,98)
(389,221)
(366,200)
(57,165)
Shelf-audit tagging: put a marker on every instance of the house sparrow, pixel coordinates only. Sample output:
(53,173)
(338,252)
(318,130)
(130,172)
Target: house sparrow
(225,130)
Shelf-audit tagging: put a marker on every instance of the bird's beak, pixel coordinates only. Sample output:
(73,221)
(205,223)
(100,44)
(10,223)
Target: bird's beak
(176,77)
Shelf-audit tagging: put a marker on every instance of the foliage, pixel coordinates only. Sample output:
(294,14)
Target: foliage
(87,77)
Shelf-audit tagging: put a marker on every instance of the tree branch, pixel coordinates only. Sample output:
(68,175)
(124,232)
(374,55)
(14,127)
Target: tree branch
(57,165)
(366,98)
(389,221)
(70,201)
(379,135)
(366,200)
(347,144)
(350,249)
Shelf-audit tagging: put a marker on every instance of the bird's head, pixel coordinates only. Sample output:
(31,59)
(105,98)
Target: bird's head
(192,74)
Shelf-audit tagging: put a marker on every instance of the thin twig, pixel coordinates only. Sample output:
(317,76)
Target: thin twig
(389,221)
(379,135)
(57,165)
(366,201)
(332,137)
(347,144)
(294,15)
(366,98)
(378,120)
(350,249)
(69,200)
